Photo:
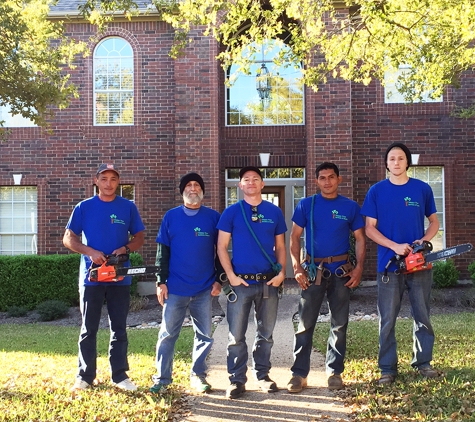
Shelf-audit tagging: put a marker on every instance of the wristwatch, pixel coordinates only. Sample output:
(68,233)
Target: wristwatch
(127,249)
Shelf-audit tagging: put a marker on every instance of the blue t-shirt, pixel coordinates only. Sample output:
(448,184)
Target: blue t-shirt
(333,219)
(105,226)
(192,241)
(400,211)
(248,257)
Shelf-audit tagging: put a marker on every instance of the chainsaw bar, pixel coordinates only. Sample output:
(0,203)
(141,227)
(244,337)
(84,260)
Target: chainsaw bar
(137,270)
(448,253)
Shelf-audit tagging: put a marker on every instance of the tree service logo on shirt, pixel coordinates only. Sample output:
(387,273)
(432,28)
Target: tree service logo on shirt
(410,203)
(337,216)
(198,232)
(115,220)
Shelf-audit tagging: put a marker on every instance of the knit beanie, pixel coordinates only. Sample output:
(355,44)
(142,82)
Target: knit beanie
(187,178)
(400,146)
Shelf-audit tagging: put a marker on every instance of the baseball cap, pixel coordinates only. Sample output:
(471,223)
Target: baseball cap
(106,167)
(249,168)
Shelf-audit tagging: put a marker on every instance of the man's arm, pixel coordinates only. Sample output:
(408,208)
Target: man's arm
(72,241)
(299,273)
(432,229)
(360,251)
(162,259)
(134,244)
(375,235)
(281,257)
(222,248)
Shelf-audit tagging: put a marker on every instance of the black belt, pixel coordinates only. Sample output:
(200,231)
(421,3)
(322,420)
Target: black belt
(258,277)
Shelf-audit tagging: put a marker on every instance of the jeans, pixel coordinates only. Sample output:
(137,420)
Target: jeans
(265,316)
(91,302)
(338,297)
(174,312)
(390,294)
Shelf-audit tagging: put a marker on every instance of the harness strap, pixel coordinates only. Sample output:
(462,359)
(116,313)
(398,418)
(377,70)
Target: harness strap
(330,259)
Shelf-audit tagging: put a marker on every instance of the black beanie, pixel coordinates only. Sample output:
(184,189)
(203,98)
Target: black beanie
(400,146)
(195,177)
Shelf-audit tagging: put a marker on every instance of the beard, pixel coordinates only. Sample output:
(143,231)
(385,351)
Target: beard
(193,199)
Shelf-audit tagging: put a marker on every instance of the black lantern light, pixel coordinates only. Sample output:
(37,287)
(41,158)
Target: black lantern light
(263,82)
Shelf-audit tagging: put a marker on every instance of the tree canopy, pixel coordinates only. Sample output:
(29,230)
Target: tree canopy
(33,57)
(357,40)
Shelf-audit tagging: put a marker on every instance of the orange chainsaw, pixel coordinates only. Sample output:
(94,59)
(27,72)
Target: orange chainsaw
(113,269)
(421,257)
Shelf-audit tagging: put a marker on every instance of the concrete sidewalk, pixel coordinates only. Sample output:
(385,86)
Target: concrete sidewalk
(313,403)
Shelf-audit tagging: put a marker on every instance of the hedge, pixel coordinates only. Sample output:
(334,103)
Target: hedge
(27,280)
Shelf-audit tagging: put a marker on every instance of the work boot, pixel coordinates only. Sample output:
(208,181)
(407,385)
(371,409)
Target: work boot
(428,372)
(267,385)
(386,379)
(296,384)
(335,382)
(235,390)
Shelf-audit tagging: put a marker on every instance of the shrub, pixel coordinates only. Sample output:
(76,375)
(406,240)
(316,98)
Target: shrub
(52,309)
(445,274)
(471,270)
(27,280)
(467,299)
(17,311)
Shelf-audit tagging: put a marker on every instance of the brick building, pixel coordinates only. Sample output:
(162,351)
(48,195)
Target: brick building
(157,118)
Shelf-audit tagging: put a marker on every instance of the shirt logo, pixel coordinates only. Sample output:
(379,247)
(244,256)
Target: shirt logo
(337,216)
(199,233)
(410,203)
(115,220)
(261,219)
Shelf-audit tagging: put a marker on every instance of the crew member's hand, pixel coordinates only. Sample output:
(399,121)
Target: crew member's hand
(98,257)
(277,280)
(234,281)
(402,249)
(355,277)
(302,279)
(216,289)
(162,293)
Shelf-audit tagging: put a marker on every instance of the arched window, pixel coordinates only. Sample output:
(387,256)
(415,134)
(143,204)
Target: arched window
(270,94)
(113,83)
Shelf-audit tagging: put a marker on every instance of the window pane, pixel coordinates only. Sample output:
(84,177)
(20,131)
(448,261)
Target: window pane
(284,104)
(113,82)
(18,220)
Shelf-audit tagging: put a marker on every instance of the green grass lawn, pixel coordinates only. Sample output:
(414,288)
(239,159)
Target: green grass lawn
(39,365)
(411,398)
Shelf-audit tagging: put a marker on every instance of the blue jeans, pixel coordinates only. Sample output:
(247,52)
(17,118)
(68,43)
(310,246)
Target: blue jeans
(265,316)
(390,295)
(174,312)
(338,297)
(91,301)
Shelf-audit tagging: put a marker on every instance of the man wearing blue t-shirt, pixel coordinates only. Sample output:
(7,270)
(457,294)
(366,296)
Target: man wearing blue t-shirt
(186,254)
(328,219)
(109,225)
(257,269)
(395,209)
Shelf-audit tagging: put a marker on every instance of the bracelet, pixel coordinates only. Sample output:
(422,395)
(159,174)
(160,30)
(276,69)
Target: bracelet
(127,249)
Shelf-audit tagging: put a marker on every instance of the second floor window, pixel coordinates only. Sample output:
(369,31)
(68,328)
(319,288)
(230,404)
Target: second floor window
(270,94)
(113,83)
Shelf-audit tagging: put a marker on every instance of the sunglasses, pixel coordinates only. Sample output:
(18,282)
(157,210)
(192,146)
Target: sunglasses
(254,216)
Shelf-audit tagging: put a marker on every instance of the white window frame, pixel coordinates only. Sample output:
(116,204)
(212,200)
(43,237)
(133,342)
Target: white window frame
(13,200)
(436,180)
(124,63)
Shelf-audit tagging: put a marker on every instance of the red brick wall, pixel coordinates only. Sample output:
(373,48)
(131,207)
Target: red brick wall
(179,127)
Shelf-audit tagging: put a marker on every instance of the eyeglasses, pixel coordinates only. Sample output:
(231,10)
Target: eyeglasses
(254,216)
